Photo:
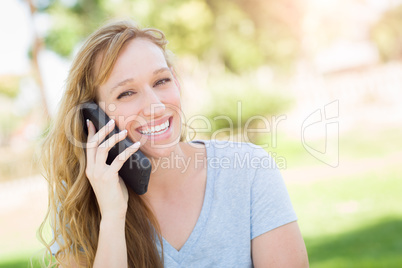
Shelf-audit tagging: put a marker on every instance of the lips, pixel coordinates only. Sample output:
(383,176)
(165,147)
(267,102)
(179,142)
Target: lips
(155,127)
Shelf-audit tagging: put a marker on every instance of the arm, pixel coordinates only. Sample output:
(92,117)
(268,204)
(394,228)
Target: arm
(111,194)
(111,251)
(280,247)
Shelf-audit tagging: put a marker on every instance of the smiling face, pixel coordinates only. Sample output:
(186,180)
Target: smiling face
(142,95)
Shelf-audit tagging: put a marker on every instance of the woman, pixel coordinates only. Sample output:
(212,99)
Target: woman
(196,213)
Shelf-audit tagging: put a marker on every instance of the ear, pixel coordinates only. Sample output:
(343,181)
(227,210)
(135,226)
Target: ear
(176,81)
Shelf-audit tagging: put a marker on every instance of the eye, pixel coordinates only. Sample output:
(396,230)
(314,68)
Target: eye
(162,81)
(126,94)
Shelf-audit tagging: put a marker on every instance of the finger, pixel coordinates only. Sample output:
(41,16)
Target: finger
(90,148)
(123,156)
(102,133)
(104,147)
(94,138)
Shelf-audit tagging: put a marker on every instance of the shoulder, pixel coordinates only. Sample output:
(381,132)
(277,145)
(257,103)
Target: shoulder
(236,161)
(241,155)
(221,148)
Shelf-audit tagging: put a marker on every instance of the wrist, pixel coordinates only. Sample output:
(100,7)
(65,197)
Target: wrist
(114,214)
(113,219)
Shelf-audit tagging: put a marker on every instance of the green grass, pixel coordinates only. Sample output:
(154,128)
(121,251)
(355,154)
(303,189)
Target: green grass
(291,150)
(375,245)
(361,142)
(346,203)
(352,221)
(355,144)
(23,260)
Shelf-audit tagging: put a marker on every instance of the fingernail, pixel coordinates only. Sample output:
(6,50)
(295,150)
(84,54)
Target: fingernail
(110,122)
(137,144)
(87,122)
(124,131)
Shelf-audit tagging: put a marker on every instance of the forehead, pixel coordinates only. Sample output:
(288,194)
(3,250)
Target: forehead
(137,57)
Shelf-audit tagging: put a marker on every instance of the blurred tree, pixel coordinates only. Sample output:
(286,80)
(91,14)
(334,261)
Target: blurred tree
(242,34)
(34,54)
(71,21)
(232,38)
(271,30)
(387,34)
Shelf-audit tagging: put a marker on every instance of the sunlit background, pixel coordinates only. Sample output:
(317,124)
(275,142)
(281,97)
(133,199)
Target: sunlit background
(327,76)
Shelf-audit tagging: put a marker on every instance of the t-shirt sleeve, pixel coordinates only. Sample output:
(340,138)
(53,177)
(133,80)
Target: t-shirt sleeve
(54,248)
(270,202)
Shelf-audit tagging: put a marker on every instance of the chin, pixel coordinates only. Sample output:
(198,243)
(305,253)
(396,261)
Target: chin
(158,152)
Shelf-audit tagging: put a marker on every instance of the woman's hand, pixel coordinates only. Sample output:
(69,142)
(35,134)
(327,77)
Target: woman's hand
(110,190)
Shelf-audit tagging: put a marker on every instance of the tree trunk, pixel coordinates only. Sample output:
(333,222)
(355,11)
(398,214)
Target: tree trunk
(36,47)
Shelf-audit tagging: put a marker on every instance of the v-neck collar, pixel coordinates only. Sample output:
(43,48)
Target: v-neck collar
(179,255)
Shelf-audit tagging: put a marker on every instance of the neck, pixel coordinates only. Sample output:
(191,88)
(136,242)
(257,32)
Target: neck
(169,173)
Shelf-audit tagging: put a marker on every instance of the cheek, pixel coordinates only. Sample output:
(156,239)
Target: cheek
(173,98)
(114,113)
(173,106)
(125,118)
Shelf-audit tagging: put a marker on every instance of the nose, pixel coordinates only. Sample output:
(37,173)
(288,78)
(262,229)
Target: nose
(152,106)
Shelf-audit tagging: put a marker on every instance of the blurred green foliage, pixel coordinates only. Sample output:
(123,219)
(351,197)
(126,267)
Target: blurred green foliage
(238,101)
(69,24)
(387,34)
(241,36)
(233,31)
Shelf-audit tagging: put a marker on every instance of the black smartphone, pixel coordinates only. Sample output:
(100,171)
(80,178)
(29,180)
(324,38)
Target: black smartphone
(136,171)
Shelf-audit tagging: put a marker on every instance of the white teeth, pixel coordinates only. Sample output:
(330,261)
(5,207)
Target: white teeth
(157,129)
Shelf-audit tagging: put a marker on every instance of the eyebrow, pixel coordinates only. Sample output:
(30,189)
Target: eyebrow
(125,81)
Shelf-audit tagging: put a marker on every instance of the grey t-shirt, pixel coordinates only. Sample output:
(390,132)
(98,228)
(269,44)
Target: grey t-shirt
(245,197)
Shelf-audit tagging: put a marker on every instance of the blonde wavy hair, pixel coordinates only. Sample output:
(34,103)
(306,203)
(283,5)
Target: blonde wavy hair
(73,211)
